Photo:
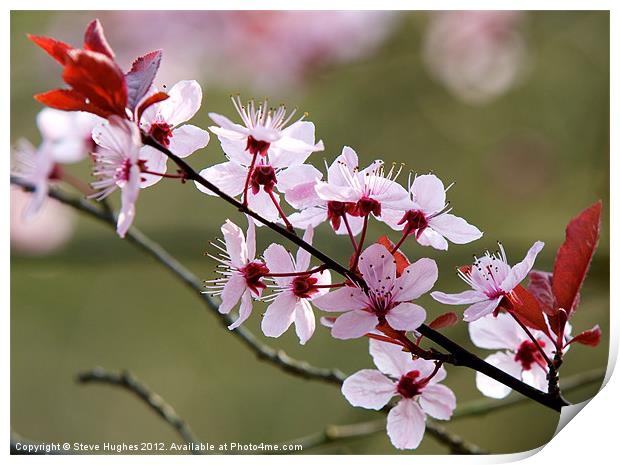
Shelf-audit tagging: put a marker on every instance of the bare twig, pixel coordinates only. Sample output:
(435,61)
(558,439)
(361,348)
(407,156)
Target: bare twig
(127,381)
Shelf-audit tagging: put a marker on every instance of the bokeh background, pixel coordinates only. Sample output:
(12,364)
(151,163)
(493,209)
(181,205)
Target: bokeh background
(514,107)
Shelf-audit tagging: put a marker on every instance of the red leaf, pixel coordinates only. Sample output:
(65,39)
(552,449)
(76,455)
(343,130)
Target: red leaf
(141,76)
(55,48)
(99,79)
(402,261)
(153,99)
(591,337)
(95,40)
(68,100)
(528,310)
(574,256)
(445,320)
(541,288)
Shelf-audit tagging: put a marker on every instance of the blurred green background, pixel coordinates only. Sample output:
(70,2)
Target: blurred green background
(524,164)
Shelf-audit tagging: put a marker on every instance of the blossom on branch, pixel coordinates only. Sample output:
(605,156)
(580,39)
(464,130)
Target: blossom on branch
(518,356)
(415,382)
(493,282)
(242,274)
(387,298)
(295,287)
(426,214)
(118,165)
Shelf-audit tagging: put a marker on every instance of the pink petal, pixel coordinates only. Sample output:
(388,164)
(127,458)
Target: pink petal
(377,266)
(481,309)
(187,139)
(343,167)
(337,193)
(305,322)
(262,204)
(415,280)
(229,177)
(406,316)
(455,229)
(303,196)
(302,260)
(438,401)
(390,358)
(232,292)
(312,216)
(182,104)
(342,300)
(536,377)
(433,239)
(429,193)
(129,196)
(491,388)
(406,423)
(155,161)
(279,315)
(235,243)
(245,310)
(235,150)
(521,269)
(465,297)
(354,324)
(303,133)
(368,389)
(278,260)
(251,238)
(324,278)
(501,332)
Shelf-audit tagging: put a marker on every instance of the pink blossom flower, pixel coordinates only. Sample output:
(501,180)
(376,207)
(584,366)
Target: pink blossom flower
(118,165)
(491,279)
(477,55)
(315,210)
(68,133)
(263,166)
(42,234)
(426,214)
(387,298)
(416,382)
(517,356)
(37,167)
(164,122)
(294,291)
(265,129)
(242,273)
(367,191)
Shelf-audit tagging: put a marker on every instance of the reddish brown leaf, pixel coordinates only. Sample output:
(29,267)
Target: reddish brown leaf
(68,100)
(55,48)
(152,100)
(99,79)
(141,76)
(402,261)
(574,256)
(445,320)
(591,337)
(541,288)
(95,40)
(528,310)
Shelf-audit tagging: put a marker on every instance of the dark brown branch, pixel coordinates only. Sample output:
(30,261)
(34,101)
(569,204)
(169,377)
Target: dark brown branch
(127,381)
(457,354)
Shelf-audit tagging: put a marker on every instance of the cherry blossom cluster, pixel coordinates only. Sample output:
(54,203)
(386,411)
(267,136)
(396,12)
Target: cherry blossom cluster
(129,127)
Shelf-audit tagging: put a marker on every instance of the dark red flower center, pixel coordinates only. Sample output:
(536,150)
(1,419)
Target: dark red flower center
(365,206)
(528,354)
(161,132)
(304,287)
(415,221)
(253,272)
(336,210)
(257,147)
(56,173)
(263,175)
(409,385)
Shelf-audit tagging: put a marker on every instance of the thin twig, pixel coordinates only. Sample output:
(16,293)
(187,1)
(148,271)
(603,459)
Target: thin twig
(127,381)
